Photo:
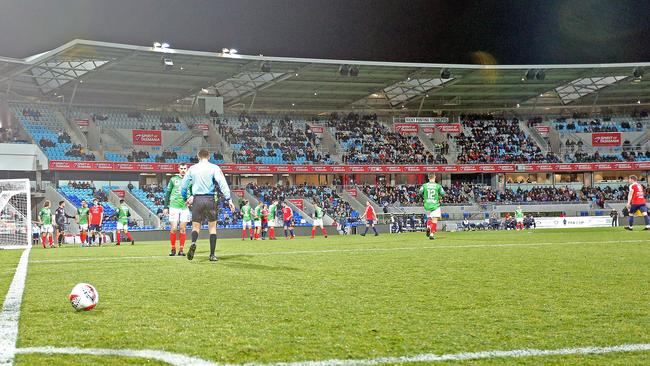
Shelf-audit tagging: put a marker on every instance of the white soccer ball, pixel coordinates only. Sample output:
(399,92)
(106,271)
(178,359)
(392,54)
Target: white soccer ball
(83,297)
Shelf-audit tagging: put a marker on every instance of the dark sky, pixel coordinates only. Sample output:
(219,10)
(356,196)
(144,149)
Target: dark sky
(507,32)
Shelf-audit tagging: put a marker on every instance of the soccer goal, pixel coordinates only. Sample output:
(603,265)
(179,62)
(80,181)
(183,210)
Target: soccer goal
(15,213)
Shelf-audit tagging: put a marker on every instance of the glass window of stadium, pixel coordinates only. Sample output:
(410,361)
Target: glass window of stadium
(617,177)
(529,178)
(562,178)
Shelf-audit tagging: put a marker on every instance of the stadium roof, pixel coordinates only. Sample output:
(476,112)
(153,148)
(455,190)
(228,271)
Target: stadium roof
(91,72)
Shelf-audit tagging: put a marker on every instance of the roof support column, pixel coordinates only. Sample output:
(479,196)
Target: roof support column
(74,92)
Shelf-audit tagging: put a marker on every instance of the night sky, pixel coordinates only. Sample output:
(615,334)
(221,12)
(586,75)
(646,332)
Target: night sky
(507,32)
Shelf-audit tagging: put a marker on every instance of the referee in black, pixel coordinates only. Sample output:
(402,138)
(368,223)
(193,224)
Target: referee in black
(204,177)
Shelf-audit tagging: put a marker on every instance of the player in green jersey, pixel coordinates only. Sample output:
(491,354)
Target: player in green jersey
(257,215)
(519,218)
(82,220)
(45,219)
(432,192)
(247,220)
(123,214)
(273,209)
(318,221)
(177,209)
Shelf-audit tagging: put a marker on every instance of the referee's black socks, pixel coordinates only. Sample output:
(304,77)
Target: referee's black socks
(195,236)
(213,243)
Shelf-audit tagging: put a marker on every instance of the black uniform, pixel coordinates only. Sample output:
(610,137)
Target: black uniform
(59,218)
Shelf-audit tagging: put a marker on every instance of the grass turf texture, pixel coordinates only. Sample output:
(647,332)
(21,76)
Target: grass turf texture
(464,292)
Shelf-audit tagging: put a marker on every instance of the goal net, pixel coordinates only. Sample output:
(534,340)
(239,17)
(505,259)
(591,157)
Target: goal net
(15,213)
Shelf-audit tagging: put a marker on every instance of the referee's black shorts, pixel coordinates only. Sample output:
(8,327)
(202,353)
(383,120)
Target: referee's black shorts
(204,208)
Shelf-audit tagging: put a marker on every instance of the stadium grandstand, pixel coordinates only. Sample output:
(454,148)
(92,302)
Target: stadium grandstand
(113,121)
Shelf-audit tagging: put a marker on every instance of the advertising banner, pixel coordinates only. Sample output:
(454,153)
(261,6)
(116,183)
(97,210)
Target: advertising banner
(147,137)
(297,202)
(606,139)
(572,222)
(406,128)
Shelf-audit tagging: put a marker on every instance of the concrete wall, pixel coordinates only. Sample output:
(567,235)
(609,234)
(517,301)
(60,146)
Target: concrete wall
(21,157)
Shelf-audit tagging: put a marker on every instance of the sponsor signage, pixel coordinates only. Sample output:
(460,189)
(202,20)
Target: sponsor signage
(119,192)
(406,128)
(202,126)
(82,122)
(344,169)
(317,129)
(543,130)
(352,191)
(572,222)
(426,119)
(296,202)
(147,137)
(449,127)
(238,192)
(606,139)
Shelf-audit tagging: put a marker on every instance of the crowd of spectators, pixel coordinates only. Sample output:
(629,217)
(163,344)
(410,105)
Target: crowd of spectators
(273,139)
(64,137)
(8,135)
(44,142)
(79,151)
(367,141)
(137,155)
(97,193)
(331,202)
(495,140)
(469,193)
(32,113)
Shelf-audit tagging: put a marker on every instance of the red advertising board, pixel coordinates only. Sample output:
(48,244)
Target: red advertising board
(428,128)
(606,139)
(449,127)
(119,192)
(543,129)
(346,169)
(352,192)
(317,129)
(82,122)
(202,126)
(147,137)
(406,128)
(238,192)
(297,202)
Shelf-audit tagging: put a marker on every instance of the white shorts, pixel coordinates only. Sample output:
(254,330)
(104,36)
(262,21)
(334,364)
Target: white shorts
(318,222)
(47,229)
(520,220)
(247,224)
(258,223)
(83,227)
(121,226)
(179,214)
(435,214)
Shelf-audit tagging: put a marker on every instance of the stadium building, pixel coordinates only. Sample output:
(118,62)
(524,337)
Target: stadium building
(94,119)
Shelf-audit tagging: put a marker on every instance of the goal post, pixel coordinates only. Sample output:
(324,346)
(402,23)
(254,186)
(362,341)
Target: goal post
(15,213)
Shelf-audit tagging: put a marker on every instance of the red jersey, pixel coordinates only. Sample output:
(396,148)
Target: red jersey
(638,196)
(96,214)
(370,213)
(287,213)
(265,215)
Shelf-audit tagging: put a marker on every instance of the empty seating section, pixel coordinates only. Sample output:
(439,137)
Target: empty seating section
(269,140)
(488,139)
(606,124)
(47,131)
(126,119)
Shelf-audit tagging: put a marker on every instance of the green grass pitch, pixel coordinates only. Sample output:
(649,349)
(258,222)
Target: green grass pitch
(346,298)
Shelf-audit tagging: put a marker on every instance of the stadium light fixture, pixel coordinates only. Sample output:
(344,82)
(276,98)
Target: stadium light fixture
(233,51)
(225,50)
(164,45)
(157,45)
(638,101)
(638,72)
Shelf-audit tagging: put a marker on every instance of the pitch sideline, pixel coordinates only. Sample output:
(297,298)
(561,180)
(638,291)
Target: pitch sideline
(360,250)
(178,359)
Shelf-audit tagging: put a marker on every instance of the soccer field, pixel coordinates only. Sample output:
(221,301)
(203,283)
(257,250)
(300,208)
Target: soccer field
(346,298)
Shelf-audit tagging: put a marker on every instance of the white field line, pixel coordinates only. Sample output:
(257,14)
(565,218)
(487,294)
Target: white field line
(177,359)
(357,250)
(11,311)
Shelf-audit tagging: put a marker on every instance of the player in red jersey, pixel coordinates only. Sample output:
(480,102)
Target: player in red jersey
(96,213)
(264,221)
(370,217)
(287,217)
(636,202)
